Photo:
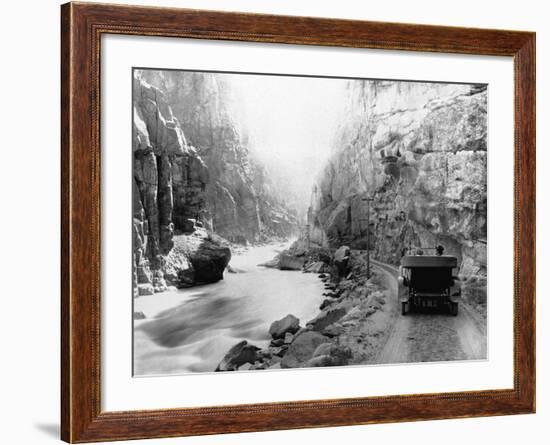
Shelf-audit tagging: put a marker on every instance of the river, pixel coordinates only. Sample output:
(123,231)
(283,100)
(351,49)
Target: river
(190,330)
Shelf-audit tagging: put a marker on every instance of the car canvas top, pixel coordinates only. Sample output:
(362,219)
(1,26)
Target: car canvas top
(428,261)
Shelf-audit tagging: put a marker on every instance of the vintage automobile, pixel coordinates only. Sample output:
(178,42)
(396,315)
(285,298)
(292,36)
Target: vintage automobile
(427,281)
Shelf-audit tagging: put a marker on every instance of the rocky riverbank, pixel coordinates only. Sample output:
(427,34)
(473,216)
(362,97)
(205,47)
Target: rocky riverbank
(351,327)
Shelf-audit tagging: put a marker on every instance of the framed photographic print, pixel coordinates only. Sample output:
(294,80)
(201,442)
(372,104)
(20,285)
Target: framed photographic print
(274,222)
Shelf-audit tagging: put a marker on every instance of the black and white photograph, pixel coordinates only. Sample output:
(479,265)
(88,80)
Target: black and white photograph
(288,221)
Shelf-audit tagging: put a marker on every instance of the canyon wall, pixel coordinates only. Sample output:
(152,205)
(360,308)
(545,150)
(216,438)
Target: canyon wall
(419,151)
(169,195)
(241,203)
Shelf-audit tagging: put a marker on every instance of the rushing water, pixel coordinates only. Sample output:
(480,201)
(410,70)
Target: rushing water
(190,330)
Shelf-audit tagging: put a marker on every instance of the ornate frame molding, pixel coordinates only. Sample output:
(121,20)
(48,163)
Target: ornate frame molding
(82,25)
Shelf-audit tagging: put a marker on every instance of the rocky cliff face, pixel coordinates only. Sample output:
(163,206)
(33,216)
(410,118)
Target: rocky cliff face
(169,194)
(419,151)
(241,204)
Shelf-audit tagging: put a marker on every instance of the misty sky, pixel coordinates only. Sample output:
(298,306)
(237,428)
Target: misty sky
(290,122)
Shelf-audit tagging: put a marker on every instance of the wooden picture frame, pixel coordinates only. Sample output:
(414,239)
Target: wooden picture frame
(82,25)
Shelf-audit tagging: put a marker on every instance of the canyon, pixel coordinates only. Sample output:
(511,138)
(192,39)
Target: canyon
(241,204)
(197,189)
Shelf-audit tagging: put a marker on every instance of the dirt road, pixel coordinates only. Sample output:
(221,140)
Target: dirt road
(431,337)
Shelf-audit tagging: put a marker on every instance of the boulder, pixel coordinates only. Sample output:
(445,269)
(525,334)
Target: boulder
(290,262)
(185,276)
(146,289)
(265,354)
(258,366)
(369,311)
(288,338)
(323,349)
(353,314)
(279,328)
(330,354)
(339,355)
(159,284)
(335,356)
(333,330)
(317,267)
(326,318)
(238,355)
(139,315)
(341,260)
(198,258)
(277,351)
(188,225)
(319,361)
(209,261)
(302,349)
(273,264)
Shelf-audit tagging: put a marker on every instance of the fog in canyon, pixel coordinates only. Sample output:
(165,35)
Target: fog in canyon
(290,124)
